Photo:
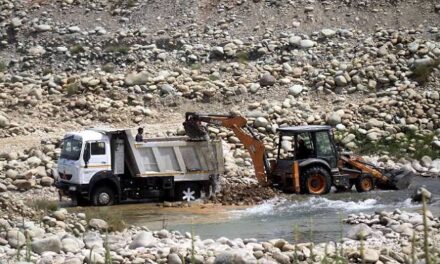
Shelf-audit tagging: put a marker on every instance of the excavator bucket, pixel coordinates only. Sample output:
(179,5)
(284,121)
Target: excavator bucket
(193,129)
(398,179)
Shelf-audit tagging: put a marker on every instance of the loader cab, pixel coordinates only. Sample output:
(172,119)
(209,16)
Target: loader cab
(307,142)
(307,159)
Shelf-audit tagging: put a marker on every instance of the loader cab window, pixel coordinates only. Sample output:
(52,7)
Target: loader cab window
(304,146)
(286,147)
(325,148)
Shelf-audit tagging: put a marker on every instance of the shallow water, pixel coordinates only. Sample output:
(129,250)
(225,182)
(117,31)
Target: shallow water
(316,218)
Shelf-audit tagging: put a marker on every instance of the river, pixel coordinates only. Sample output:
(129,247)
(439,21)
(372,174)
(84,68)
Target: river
(292,217)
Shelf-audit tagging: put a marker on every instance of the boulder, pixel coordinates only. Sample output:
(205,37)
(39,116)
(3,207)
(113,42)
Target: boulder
(419,193)
(358,232)
(296,89)
(46,181)
(136,78)
(267,80)
(52,244)
(370,255)
(4,122)
(16,238)
(173,258)
(143,239)
(261,122)
(98,224)
(71,244)
(92,240)
(235,256)
(334,119)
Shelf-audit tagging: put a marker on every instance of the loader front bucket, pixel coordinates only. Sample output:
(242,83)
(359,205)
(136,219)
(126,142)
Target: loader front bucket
(398,179)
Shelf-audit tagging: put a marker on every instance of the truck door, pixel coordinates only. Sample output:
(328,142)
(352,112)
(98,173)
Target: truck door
(99,159)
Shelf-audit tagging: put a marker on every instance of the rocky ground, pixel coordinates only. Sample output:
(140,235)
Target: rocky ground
(368,68)
(62,237)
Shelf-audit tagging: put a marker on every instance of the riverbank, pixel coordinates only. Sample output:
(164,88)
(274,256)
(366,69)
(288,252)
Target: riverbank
(63,237)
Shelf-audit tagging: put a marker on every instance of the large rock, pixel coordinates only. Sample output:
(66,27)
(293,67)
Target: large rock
(267,80)
(16,238)
(359,232)
(71,244)
(33,161)
(296,89)
(235,256)
(334,119)
(92,240)
(261,122)
(136,78)
(281,258)
(173,258)
(420,193)
(46,181)
(4,122)
(371,255)
(52,243)
(306,44)
(98,224)
(60,214)
(143,239)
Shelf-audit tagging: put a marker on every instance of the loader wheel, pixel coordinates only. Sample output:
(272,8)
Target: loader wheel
(365,183)
(317,181)
(103,196)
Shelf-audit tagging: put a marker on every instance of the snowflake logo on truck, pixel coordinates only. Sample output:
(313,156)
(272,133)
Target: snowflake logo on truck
(188,195)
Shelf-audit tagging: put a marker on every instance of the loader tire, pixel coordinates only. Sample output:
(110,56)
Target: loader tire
(103,196)
(364,183)
(317,181)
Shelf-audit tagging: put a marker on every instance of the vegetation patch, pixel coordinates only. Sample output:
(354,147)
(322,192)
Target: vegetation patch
(117,48)
(3,66)
(413,145)
(76,49)
(113,218)
(44,205)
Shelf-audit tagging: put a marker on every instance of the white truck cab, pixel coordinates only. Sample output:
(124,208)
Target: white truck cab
(106,166)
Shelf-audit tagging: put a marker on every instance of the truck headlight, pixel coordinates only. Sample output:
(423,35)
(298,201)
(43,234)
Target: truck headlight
(72,188)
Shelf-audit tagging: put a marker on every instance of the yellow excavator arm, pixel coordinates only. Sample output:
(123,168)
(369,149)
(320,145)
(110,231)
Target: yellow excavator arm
(238,124)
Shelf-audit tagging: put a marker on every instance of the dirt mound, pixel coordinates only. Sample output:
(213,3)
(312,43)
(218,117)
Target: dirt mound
(242,194)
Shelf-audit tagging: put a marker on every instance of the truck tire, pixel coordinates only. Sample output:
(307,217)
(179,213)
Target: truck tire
(364,183)
(316,180)
(187,191)
(103,196)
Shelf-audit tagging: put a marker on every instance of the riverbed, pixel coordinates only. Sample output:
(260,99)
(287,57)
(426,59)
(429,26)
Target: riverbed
(292,217)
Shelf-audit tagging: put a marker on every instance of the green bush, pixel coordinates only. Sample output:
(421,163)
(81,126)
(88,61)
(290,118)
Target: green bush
(3,66)
(76,49)
(117,48)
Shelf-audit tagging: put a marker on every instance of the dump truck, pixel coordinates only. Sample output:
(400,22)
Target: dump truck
(107,166)
(307,161)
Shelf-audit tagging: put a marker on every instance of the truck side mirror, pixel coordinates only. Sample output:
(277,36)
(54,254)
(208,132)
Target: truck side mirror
(86,156)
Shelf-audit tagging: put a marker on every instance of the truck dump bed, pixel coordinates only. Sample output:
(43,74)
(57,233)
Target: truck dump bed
(180,157)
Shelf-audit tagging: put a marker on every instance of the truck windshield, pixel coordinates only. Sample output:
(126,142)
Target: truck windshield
(71,149)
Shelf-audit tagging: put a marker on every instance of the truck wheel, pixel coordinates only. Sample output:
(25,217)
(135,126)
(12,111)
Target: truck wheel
(187,192)
(364,183)
(102,196)
(317,180)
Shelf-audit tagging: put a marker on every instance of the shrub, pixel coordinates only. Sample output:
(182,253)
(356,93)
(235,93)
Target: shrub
(3,66)
(114,48)
(44,204)
(76,49)
(72,88)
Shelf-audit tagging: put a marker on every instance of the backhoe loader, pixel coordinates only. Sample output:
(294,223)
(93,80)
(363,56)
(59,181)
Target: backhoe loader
(307,160)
